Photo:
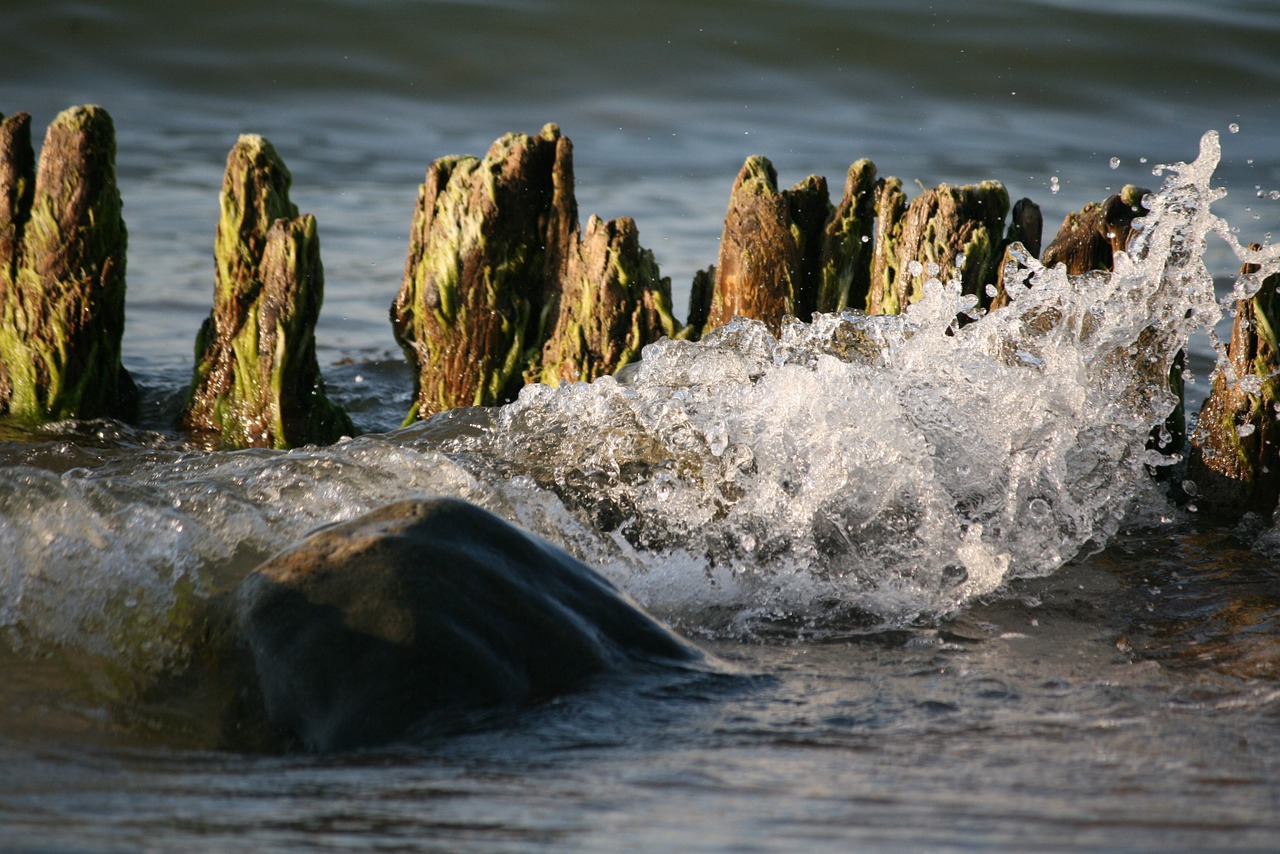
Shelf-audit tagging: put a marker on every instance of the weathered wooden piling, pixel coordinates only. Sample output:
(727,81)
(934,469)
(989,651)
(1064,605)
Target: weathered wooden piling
(613,301)
(943,231)
(257,382)
(770,261)
(500,287)
(1089,238)
(1234,459)
(847,246)
(62,272)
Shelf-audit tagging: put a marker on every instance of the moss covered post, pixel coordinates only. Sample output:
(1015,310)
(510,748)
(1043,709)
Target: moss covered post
(62,272)
(770,261)
(613,301)
(1235,450)
(500,288)
(257,382)
(944,231)
(847,242)
(475,287)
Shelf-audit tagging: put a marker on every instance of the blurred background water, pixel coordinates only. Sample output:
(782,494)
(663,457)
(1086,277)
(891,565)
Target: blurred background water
(1091,711)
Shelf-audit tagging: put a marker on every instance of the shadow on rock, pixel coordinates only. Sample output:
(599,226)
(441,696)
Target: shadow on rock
(422,618)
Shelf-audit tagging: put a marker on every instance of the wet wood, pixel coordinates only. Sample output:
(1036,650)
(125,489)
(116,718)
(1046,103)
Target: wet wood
(1088,239)
(62,272)
(486,236)
(770,260)
(501,288)
(1021,241)
(1234,459)
(847,247)
(944,232)
(613,301)
(257,382)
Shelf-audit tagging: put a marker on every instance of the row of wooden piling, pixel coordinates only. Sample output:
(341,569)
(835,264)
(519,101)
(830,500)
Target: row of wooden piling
(503,286)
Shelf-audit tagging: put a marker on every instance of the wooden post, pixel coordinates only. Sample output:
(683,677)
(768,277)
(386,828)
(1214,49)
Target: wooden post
(62,272)
(938,227)
(847,247)
(613,302)
(1234,459)
(476,288)
(770,261)
(256,381)
(500,288)
(1090,238)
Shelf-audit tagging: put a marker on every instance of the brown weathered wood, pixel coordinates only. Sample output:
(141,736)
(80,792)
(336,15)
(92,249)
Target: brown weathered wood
(256,381)
(501,287)
(847,246)
(1088,239)
(938,227)
(700,292)
(62,272)
(1234,458)
(613,302)
(1026,229)
(487,236)
(770,260)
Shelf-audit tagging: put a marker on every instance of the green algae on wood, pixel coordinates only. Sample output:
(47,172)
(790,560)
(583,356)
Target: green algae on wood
(847,243)
(475,291)
(770,260)
(257,382)
(613,302)
(944,232)
(1234,459)
(62,272)
(501,288)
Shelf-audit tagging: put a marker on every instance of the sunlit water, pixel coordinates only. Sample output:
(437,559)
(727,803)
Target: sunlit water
(884,531)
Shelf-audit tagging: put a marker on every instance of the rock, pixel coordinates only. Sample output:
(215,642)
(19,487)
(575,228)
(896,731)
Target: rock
(62,272)
(416,617)
(257,382)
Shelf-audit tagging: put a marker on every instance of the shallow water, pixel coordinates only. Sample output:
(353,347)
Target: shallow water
(921,686)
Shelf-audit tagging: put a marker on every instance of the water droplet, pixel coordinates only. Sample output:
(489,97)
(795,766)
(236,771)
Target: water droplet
(1053,185)
(1233,127)
(1115,163)
(915,268)
(1245,430)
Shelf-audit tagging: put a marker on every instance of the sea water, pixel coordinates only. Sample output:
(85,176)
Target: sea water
(949,607)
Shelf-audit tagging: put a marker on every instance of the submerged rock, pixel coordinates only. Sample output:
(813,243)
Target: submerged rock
(415,617)
(62,271)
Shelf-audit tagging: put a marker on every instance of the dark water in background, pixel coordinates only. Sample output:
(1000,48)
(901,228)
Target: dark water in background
(1095,710)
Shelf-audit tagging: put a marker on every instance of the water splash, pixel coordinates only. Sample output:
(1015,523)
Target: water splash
(883,468)
(854,471)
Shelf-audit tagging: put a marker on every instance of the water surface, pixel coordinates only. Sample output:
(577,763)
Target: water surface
(870,696)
